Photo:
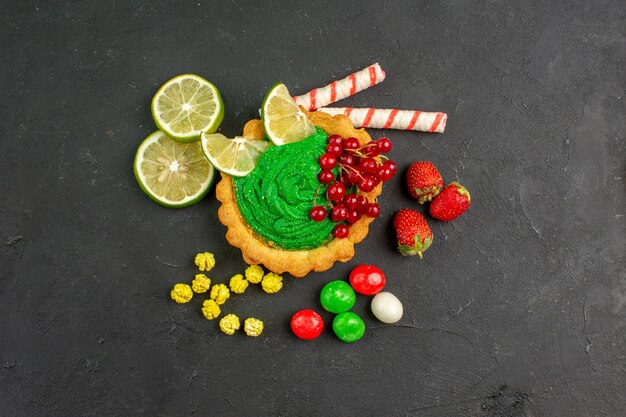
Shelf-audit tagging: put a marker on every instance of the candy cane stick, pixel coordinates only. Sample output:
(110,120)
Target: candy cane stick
(337,90)
(392,118)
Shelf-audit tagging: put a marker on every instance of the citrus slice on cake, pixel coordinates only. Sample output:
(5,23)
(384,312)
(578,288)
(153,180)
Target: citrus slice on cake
(186,106)
(236,157)
(283,121)
(171,173)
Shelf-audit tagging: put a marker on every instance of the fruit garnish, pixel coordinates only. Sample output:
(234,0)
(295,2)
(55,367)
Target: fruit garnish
(347,169)
(283,121)
(186,106)
(413,233)
(341,231)
(317,213)
(423,181)
(236,157)
(171,173)
(451,202)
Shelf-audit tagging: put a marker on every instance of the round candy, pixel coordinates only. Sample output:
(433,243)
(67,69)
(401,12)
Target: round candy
(337,297)
(348,327)
(307,324)
(386,307)
(367,279)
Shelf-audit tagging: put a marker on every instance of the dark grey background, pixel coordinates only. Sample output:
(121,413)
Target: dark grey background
(518,309)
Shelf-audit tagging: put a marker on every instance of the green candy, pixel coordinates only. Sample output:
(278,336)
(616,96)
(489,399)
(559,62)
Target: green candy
(348,327)
(337,297)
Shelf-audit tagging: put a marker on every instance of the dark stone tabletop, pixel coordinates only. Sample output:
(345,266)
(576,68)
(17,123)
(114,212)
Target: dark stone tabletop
(518,308)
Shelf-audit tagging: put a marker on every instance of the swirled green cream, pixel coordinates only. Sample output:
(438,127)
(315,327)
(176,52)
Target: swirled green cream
(276,197)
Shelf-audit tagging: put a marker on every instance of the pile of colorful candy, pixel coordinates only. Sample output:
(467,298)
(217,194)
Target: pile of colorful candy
(338,297)
(220,293)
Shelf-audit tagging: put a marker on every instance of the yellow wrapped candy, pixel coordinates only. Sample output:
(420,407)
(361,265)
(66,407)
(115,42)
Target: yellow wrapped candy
(201,283)
(272,283)
(205,261)
(254,274)
(210,309)
(181,293)
(238,284)
(229,323)
(220,293)
(253,327)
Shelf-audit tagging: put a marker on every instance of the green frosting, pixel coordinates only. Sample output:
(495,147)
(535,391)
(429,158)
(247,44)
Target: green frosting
(276,197)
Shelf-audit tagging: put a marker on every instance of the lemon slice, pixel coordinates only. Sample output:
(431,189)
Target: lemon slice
(283,121)
(186,106)
(171,173)
(236,157)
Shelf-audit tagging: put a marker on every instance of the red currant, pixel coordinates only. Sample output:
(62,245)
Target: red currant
(336,191)
(341,231)
(339,213)
(307,324)
(370,150)
(361,204)
(345,181)
(350,201)
(384,172)
(373,210)
(346,159)
(336,139)
(366,184)
(351,143)
(376,179)
(368,165)
(353,177)
(325,176)
(392,166)
(384,145)
(334,149)
(317,214)
(353,216)
(328,161)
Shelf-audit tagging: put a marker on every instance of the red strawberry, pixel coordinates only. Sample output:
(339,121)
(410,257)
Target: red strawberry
(424,181)
(450,203)
(414,235)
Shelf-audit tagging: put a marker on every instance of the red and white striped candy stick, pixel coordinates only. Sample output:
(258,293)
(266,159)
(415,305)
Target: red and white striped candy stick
(392,118)
(337,90)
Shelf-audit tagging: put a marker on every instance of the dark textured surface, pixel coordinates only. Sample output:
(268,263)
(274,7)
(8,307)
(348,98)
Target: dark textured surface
(518,309)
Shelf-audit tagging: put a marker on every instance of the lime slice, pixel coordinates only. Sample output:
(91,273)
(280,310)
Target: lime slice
(173,174)
(186,106)
(283,120)
(236,157)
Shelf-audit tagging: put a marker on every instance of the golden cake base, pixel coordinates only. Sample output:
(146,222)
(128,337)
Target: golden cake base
(297,263)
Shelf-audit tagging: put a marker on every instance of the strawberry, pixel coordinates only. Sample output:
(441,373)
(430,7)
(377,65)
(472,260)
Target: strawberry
(424,181)
(414,235)
(450,203)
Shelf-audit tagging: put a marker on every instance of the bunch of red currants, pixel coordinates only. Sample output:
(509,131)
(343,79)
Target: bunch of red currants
(361,169)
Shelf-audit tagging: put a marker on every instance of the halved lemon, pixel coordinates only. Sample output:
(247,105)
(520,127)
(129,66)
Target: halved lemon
(186,106)
(283,121)
(171,173)
(236,157)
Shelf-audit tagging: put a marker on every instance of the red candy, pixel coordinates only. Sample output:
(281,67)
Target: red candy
(367,279)
(307,324)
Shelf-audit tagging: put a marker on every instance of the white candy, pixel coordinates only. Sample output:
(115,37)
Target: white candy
(386,307)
